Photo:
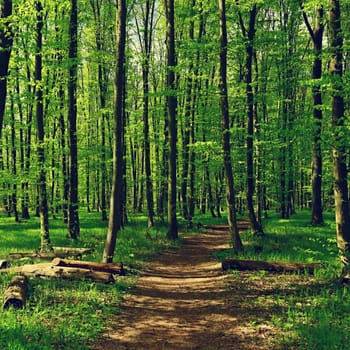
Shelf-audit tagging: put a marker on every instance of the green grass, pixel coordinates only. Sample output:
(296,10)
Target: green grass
(313,311)
(61,314)
(312,314)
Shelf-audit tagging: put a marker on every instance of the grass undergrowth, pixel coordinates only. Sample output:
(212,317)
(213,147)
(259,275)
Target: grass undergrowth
(62,314)
(313,311)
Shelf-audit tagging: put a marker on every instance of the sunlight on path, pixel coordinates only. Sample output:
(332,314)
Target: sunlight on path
(181,301)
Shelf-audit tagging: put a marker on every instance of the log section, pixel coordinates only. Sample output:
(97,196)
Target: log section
(16,293)
(252,265)
(47,270)
(117,269)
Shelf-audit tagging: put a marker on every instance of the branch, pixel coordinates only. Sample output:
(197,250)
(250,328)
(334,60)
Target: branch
(306,20)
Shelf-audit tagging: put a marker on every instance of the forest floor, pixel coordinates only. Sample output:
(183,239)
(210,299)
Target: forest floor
(183,300)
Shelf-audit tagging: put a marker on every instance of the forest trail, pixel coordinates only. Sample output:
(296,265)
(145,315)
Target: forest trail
(183,300)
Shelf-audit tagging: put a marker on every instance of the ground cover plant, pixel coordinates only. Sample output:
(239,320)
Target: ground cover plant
(66,314)
(306,312)
(311,312)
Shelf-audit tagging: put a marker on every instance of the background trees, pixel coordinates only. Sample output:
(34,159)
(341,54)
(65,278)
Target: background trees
(280,97)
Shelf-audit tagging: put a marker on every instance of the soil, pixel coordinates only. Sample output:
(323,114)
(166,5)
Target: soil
(183,300)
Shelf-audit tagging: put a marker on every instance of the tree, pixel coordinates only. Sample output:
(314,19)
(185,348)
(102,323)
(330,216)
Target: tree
(316,175)
(249,35)
(43,207)
(171,101)
(116,202)
(6,41)
(145,38)
(73,213)
(226,146)
(341,196)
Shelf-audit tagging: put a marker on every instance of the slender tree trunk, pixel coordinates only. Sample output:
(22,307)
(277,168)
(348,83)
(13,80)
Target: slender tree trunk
(341,195)
(187,129)
(316,169)
(172,124)
(250,34)
(6,40)
(24,194)
(226,145)
(43,207)
(146,45)
(73,213)
(14,162)
(117,194)
(102,83)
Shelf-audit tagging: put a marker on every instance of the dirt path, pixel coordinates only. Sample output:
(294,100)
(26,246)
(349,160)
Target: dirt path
(183,301)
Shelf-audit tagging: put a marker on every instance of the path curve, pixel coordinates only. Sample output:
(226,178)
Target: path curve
(182,300)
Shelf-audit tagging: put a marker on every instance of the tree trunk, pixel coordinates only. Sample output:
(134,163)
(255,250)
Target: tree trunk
(43,207)
(147,47)
(117,195)
(341,196)
(316,169)
(226,145)
(172,124)
(250,34)
(14,161)
(6,40)
(73,214)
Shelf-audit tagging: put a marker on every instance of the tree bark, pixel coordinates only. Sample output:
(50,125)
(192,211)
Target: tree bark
(226,145)
(16,293)
(146,44)
(6,40)
(250,35)
(43,206)
(116,269)
(73,214)
(47,270)
(341,196)
(316,168)
(117,194)
(172,123)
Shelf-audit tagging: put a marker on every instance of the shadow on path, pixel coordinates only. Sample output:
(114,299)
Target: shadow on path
(182,300)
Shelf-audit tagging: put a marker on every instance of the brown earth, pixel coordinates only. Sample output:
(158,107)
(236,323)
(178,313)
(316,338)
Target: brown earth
(183,300)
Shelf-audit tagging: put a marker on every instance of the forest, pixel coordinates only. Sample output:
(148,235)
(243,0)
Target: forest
(180,112)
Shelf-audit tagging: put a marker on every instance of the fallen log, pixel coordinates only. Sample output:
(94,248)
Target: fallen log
(47,270)
(72,250)
(4,264)
(16,293)
(253,265)
(18,256)
(117,269)
(44,256)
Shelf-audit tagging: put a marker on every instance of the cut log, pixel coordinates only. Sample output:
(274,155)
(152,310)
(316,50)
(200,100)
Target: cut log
(18,256)
(242,226)
(44,256)
(253,265)
(47,270)
(116,269)
(16,293)
(72,251)
(4,264)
